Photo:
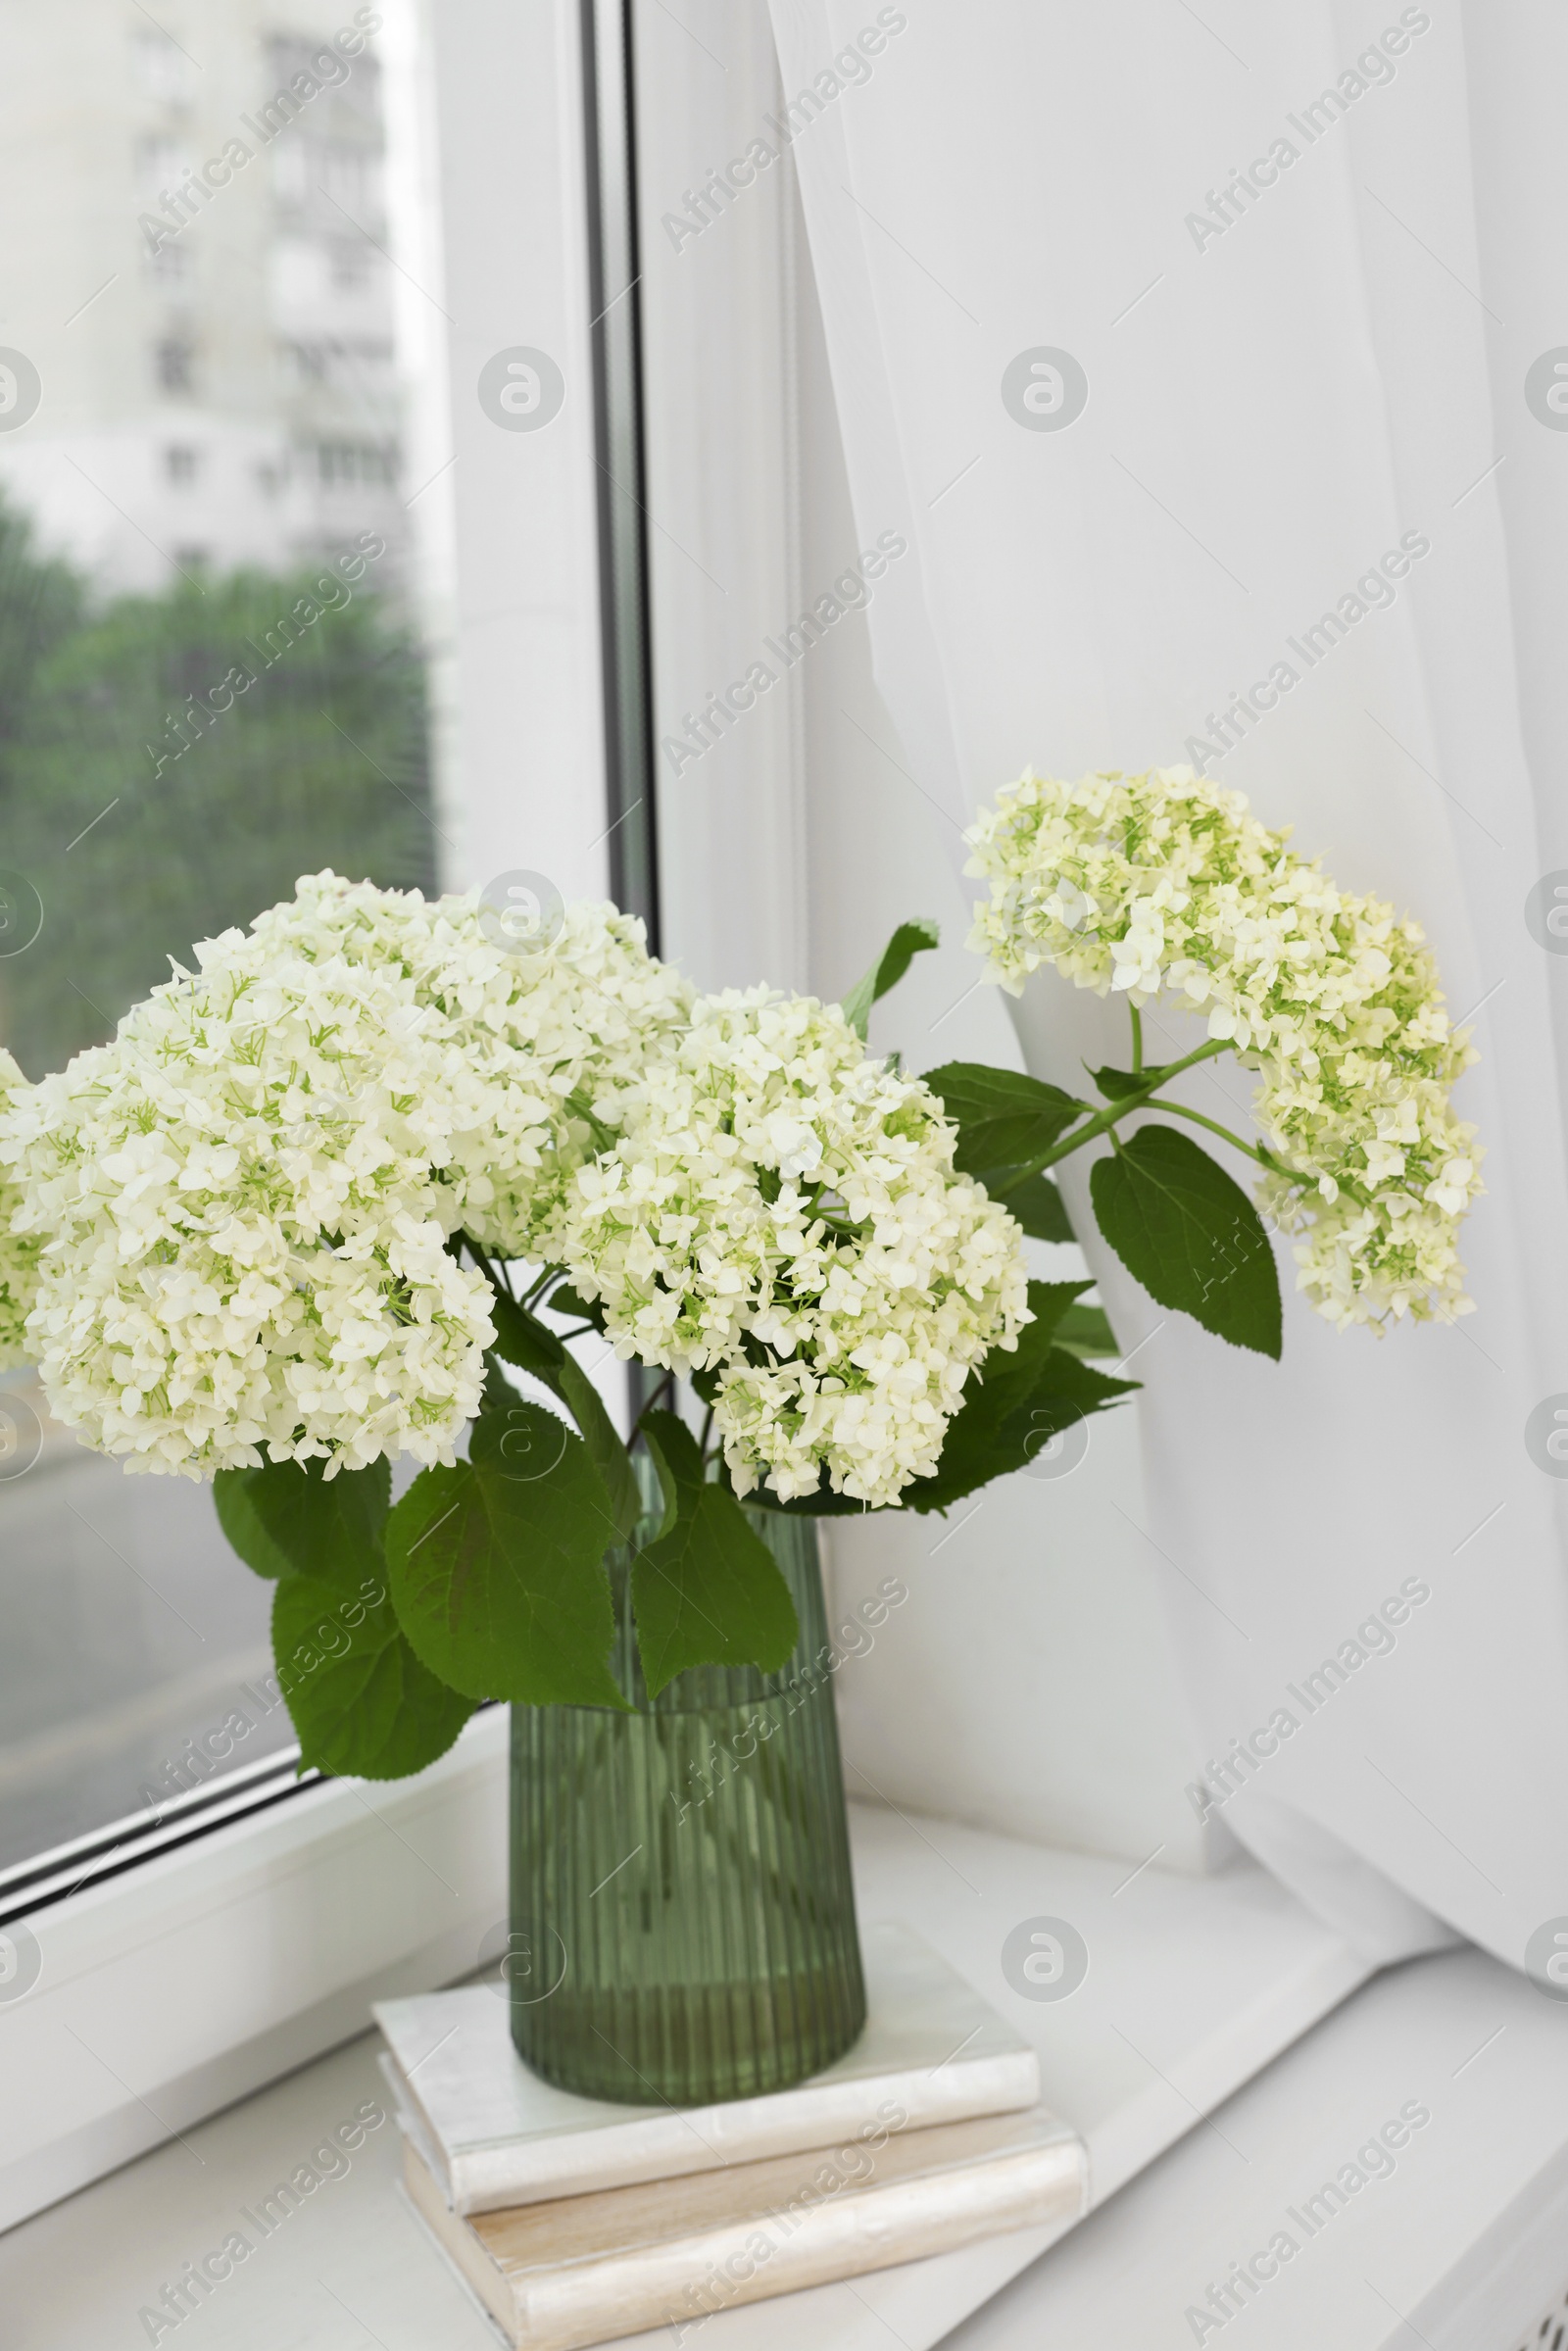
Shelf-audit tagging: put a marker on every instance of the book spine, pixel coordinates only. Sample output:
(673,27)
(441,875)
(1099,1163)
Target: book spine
(680,2283)
(785,2123)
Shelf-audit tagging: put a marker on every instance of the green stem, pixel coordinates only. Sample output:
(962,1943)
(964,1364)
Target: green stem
(1180,1109)
(532,1298)
(1122,1108)
(663,1389)
(1105,1121)
(1135,1017)
(1265,1157)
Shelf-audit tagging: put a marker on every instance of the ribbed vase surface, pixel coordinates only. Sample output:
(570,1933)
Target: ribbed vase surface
(682,1913)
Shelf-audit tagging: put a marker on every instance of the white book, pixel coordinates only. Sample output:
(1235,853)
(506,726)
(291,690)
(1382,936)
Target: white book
(494,2134)
(585,2269)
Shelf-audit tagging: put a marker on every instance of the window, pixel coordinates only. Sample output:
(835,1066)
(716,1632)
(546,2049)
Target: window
(180,745)
(363,365)
(291,172)
(324,175)
(350,176)
(171,265)
(347,465)
(173,364)
(351,266)
(161,161)
(197,714)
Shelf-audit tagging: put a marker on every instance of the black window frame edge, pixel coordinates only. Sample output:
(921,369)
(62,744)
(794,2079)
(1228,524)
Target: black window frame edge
(28,1887)
(614,297)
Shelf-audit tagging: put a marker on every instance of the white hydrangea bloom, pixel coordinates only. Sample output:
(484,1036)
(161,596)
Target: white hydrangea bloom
(244,1199)
(1163,883)
(18,1252)
(530,1050)
(784,1209)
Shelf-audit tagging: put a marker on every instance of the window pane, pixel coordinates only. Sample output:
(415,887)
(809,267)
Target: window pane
(214,573)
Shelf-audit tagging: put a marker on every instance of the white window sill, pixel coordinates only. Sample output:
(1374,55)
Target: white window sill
(1195,1984)
(1463,2246)
(213,1968)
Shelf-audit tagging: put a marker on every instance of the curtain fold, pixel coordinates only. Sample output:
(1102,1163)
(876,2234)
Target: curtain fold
(1344,355)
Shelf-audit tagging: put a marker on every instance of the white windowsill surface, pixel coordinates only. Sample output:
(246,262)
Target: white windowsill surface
(1195,1987)
(1462,2245)
(1224,2058)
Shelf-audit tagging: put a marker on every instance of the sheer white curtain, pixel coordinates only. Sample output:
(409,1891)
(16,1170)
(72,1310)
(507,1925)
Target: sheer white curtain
(1288,381)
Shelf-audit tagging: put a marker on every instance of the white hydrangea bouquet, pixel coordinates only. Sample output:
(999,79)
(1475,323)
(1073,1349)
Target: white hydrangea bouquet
(351,1188)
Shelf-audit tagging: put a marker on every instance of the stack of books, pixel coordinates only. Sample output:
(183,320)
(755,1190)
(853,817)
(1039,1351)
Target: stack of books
(574,2222)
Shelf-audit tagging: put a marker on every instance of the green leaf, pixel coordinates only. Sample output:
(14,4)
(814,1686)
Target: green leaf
(527,1342)
(524,1339)
(709,1592)
(1068,1390)
(497,1566)
(498,1395)
(1035,1202)
(823,1503)
(1048,1304)
(610,1456)
(1085,1331)
(1004,1118)
(990,1441)
(241,1522)
(361,1701)
(677,1456)
(1010,1406)
(563,1300)
(1114,1084)
(1015,1403)
(363,1704)
(287,1518)
(1191,1235)
(675,1448)
(910,939)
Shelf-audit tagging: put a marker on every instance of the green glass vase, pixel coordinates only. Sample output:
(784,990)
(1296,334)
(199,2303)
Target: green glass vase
(682,1913)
